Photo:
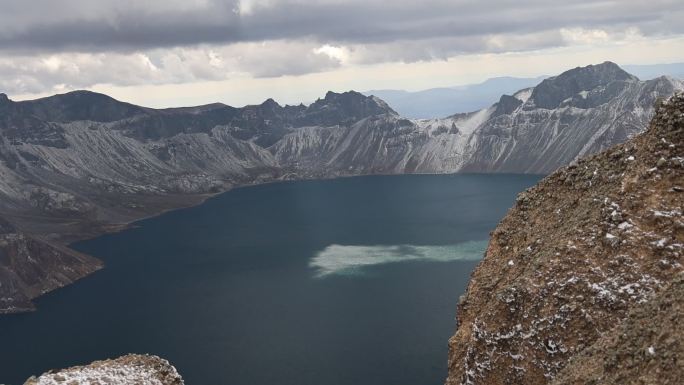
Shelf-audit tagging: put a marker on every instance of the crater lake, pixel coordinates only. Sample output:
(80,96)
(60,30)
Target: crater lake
(349,281)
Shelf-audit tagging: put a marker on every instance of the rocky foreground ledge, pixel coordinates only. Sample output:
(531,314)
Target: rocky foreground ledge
(131,369)
(582,280)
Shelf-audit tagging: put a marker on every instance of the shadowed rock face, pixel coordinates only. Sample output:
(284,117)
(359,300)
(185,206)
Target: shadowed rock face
(78,164)
(127,370)
(506,105)
(594,245)
(30,267)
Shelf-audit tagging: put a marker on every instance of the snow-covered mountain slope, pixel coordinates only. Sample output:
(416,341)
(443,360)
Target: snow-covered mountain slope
(78,164)
(577,113)
(537,130)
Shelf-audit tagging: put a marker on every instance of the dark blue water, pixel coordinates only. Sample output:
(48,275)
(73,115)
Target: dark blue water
(227,293)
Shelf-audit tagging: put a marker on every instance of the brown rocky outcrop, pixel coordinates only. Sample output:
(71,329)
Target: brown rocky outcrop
(645,349)
(578,264)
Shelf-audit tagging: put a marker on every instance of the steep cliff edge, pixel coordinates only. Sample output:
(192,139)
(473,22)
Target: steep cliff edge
(127,370)
(594,246)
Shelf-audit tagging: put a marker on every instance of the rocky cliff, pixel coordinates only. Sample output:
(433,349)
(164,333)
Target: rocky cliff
(79,164)
(126,370)
(30,266)
(582,280)
(564,118)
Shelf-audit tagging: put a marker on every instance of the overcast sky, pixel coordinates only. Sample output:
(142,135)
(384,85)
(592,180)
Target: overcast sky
(173,52)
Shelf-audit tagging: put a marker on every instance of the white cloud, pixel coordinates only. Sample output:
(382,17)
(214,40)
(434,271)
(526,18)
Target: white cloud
(341,54)
(42,73)
(584,36)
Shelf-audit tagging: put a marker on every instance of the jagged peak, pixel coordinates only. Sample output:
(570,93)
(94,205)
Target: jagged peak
(506,105)
(551,92)
(332,95)
(596,74)
(270,103)
(610,70)
(351,94)
(344,108)
(353,98)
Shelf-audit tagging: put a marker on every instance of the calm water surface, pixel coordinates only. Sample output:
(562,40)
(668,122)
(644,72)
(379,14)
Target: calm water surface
(350,281)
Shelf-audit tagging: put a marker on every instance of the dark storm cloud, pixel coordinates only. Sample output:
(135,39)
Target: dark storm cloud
(113,25)
(85,26)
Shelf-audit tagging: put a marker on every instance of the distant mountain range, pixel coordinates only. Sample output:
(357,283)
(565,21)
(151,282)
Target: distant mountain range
(79,164)
(445,101)
(442,102)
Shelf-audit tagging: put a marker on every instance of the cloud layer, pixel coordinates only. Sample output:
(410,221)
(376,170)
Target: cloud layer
(131,25)
(61,44)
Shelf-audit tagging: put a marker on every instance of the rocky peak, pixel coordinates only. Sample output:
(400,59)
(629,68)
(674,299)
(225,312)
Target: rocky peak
(269,110)
(343,108)
(506,105)
(270,104)
(3,98)
(551,92)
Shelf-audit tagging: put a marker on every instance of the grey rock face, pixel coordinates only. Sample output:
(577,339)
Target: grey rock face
(78,164)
